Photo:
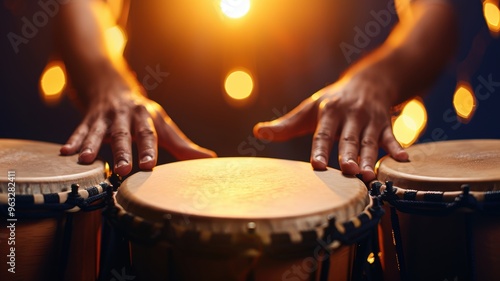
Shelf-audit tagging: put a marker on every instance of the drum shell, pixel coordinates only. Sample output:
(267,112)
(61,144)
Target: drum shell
(34,171)
(435,247)
(155,262)
(39,243)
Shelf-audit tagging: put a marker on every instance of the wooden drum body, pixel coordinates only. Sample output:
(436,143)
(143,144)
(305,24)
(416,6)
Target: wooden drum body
(34,185)
(439,240)
(242,219)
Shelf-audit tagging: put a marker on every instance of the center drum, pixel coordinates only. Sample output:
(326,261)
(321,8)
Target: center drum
(241,219)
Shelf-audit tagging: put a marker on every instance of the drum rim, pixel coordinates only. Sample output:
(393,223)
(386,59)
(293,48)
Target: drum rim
(392,174)
(96,172)
(352,225)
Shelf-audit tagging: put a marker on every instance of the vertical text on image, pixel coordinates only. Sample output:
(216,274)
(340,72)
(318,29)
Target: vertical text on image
(11,221)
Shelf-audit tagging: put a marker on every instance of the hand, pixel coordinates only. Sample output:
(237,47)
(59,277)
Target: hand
(119,111)
(355,111)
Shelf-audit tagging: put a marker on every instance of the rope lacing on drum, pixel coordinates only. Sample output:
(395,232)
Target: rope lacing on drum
(69,201)
(439,203)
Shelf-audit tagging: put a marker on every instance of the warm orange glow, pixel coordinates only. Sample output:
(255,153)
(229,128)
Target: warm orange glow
(464,101)
(492,15)
(53,82)
(115,7)
(115,41)
(239,85)
(408,126)
(235,8)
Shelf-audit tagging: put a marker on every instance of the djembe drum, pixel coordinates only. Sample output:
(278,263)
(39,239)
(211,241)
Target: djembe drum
(445,212)
(245,219)
(52,224)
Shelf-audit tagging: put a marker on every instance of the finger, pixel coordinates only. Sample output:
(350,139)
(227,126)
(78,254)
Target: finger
(369,151)
(173,140)
(324,136)
(392,146)
(146,138)
(300,121)
(74,143)
(92,142)
(349,146)
(121,143)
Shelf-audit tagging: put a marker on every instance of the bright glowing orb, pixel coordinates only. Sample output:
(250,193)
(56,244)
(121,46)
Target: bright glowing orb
(464,101)
(235,8)
(408,126)
(238,85)
(492,15)
(53,79)
(115,41)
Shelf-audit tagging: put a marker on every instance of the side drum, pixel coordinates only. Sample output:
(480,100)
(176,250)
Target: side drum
(53,229)
(445,212)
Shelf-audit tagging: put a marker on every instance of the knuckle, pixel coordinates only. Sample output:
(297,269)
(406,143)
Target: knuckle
(351,139)
(329,105)
(358,112)
(322,136)
(118,112)
(140,109)
(368,142)
(145,133)
(368,160)
(98,131)
(120,134)
(121,154)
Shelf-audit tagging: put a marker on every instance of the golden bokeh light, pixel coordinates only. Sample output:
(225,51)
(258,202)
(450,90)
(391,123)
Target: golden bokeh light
(464,101)
(115,41)
(235,8)
(53,82)
(492,15)
(239,85)
(371,258)
(410,123)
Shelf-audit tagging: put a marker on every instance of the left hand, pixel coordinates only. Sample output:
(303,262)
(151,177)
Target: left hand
(355,111)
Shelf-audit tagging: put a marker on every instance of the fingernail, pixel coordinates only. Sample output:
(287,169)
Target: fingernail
(121,163)
(66,146)
(321,159)
(146,158)
(86,151)
(350,161)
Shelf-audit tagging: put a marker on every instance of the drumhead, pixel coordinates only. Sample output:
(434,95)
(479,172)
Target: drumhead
(445,166)
(40,169)
(231,195)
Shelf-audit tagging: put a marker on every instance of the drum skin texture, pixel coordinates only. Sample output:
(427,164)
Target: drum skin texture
(435,246)
(38,241)
(227,212)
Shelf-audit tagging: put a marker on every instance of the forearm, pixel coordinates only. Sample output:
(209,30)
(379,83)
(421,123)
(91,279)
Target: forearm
(416,51)
(80,37)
